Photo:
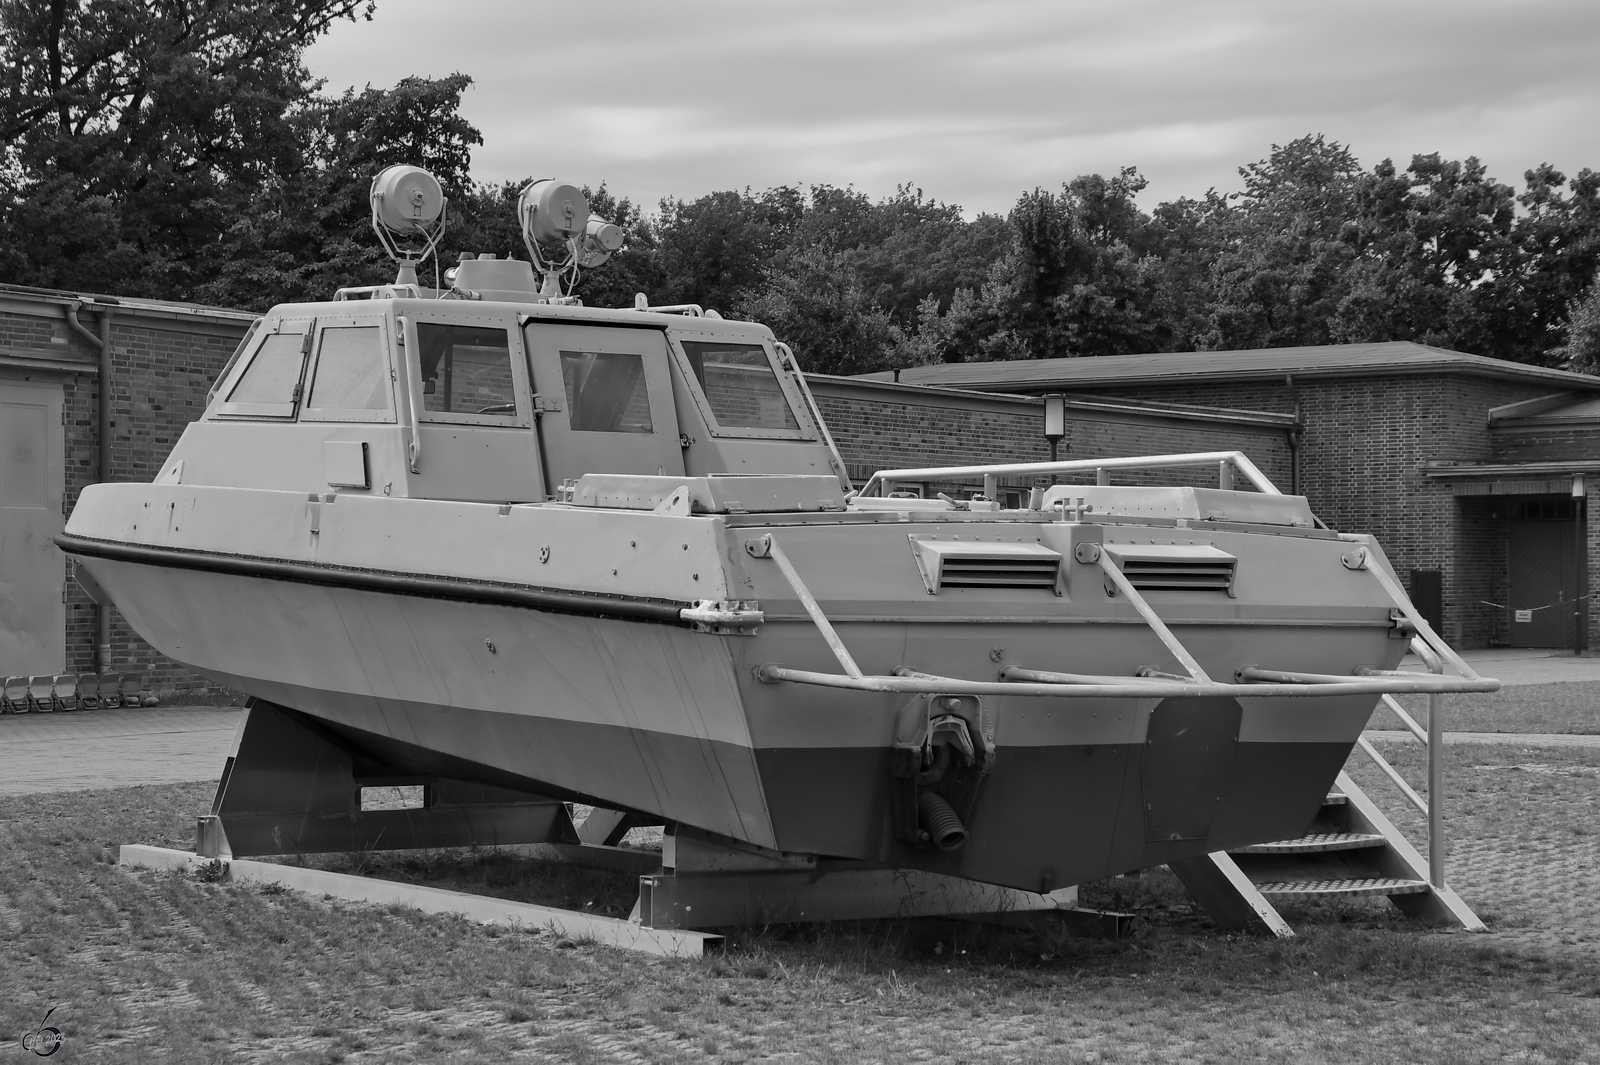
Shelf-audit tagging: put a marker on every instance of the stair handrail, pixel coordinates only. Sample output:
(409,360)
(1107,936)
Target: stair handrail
(1435,777)
(1431,737)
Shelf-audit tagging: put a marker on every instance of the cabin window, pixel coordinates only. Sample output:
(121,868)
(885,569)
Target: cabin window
(350,374)
(606,392)
(273,377)
(466,370)
(740,385)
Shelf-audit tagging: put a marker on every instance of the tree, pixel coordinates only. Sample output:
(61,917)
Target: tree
(136,133)
(309,232)
(1581,352)
(1280,251)
(714,250)
(1555,253)
(821,309)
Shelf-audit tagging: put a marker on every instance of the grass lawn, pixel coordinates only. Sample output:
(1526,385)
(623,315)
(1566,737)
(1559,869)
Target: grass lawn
(162,967)
(1572,707)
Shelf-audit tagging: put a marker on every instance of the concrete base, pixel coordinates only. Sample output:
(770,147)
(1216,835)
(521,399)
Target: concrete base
(608,931)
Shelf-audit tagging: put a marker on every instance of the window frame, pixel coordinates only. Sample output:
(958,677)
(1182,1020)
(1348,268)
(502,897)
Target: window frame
(517,352)
(308,379)
(806,428)
(224,408)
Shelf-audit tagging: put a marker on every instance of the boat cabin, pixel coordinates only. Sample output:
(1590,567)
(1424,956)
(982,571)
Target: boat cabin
(497,400)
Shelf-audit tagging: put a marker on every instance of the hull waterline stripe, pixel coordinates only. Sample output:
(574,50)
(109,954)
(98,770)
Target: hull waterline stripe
(547,599)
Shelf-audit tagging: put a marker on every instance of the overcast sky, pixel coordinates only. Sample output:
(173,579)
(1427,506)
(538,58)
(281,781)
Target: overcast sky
(975,102)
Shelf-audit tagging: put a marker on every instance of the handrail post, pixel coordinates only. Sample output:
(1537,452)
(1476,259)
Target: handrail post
(767,547)
(1436,790)
(1435,664)
(1151,618)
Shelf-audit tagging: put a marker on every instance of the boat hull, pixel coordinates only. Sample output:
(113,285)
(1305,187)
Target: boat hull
(669,722)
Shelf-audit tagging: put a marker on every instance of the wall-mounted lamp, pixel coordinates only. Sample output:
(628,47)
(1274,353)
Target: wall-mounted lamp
(1055,420)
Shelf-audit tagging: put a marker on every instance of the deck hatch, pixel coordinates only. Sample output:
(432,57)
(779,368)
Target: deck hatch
(1175,567)
(973,564)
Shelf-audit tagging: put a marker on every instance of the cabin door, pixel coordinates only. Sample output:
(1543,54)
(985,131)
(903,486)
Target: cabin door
(605,400)
(33,622)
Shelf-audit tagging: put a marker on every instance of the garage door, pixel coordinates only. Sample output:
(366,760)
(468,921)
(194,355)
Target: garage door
(32,571)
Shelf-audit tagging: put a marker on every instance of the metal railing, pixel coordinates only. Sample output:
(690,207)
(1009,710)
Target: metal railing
(793,366)
(1225,461)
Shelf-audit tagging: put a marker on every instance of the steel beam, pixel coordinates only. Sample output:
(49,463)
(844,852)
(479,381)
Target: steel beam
(1227,895)
(830,890)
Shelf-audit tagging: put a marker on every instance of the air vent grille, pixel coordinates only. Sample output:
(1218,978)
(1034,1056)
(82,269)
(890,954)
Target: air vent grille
(1174,575)
(1175,567)
(1025,572)
(1016,564)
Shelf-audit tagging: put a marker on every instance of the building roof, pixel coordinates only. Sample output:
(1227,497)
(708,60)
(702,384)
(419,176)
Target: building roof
(1095,408)
(1391,358)
(131,305)
(1563,408)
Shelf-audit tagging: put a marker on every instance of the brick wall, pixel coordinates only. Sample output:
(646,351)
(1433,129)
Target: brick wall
(887,428)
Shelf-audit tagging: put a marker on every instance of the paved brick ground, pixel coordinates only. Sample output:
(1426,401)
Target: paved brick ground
(1513,666)
(113,748)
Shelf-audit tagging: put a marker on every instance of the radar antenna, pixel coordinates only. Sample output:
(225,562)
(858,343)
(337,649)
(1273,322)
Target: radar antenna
(408,209)
(561,236)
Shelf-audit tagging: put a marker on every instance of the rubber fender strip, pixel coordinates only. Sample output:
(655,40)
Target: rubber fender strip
(550,600)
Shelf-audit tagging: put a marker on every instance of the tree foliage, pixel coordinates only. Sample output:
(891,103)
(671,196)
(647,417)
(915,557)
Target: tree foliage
(135,131)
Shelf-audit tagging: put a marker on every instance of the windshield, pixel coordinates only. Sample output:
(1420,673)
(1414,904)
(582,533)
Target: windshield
(740,385)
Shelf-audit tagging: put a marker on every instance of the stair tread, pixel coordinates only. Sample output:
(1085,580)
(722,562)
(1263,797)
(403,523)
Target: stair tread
(1314,842)
(1379,885)
(1336,798)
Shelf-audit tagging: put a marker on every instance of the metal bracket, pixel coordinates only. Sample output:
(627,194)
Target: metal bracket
(724,617)
(1400,627)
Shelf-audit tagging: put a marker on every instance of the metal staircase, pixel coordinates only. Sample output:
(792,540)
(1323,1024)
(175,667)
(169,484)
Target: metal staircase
(1350,849)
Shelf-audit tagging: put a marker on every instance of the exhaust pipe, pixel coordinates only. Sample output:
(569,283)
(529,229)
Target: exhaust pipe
(940,821)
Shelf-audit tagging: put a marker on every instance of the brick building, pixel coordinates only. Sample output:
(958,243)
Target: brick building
(1464,466)
(162,358)
(1471,471)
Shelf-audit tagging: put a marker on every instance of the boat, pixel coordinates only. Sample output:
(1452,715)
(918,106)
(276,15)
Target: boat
(481,533)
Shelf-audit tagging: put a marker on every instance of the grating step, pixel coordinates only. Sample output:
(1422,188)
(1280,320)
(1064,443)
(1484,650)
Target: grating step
(1381,885)
(1316,843)
(1335,798)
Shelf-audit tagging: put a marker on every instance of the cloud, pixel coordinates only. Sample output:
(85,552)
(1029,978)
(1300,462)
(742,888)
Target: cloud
(975,102)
